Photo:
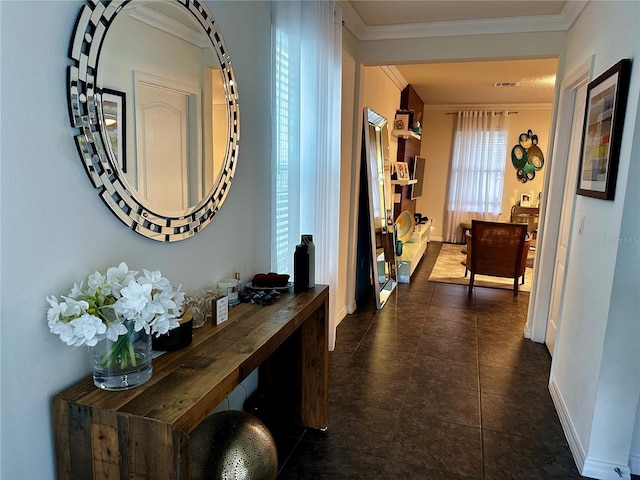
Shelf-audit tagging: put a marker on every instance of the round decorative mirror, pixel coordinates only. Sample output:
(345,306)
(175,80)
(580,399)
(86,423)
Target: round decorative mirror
(154,98)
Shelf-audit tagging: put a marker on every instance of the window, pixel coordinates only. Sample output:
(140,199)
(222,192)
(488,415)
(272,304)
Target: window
(285,154)
(476,180)
(306,82)
(485,171)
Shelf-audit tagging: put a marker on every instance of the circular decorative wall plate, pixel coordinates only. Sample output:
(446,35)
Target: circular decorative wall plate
(536,158)
(518,156)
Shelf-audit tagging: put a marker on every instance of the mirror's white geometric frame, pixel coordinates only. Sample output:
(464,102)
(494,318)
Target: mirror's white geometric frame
(98,158)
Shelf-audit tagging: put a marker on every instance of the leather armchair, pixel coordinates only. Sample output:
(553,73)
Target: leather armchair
(497,249)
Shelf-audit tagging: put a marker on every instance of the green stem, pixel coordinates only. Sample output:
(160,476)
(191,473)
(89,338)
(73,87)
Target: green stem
(132,355)
(122,350)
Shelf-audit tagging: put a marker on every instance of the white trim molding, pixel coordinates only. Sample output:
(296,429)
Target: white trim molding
(526,24)
(577,450)
(594,468)
(169,25)
(489,106)
(634,463)
(588,467)
(552,195)
(395,76)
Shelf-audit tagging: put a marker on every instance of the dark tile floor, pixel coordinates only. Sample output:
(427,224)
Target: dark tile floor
(436,385)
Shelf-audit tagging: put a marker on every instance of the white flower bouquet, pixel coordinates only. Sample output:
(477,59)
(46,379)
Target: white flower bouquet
(113,307)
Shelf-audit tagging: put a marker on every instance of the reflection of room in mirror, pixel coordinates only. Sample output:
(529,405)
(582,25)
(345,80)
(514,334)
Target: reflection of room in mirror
(162,40)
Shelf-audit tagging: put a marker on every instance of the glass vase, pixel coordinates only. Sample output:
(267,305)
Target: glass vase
(123,364)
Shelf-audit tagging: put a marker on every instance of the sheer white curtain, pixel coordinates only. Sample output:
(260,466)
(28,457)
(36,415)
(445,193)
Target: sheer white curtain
(476,179)
(306,96)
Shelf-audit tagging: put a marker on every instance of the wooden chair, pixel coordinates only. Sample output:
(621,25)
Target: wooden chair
(498,250)
(528,215)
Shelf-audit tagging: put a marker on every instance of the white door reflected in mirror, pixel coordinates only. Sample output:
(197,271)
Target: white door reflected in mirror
(162,119)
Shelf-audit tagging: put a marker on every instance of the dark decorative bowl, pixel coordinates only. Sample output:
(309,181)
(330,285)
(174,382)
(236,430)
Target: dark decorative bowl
(176,338)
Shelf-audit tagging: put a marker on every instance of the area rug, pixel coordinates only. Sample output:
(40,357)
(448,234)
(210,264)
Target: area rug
(448,269)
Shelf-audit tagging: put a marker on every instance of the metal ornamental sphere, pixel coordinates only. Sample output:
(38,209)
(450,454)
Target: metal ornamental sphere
(233,445)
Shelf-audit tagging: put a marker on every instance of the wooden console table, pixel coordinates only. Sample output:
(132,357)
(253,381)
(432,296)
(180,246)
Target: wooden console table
(144,432)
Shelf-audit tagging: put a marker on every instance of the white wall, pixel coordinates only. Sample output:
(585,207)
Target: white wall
(596,367)
(350,123)
(56,230)
(436,147)
(381,95)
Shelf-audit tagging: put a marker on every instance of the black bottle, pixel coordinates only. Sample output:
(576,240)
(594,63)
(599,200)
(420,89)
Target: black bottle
(301,268)
(311,248)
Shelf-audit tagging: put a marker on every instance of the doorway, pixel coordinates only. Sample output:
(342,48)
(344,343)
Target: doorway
(549,277)
(566,218)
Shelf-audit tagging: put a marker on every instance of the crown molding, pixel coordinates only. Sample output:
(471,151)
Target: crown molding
(169,25)
(489,106)
(395,76)
(541,23)
(571,11)
(352,20)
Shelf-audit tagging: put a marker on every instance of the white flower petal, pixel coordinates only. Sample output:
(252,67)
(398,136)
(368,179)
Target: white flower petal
(73,307)
(155,279)
(94,282)
(115,330)
(76,291)
(149,302)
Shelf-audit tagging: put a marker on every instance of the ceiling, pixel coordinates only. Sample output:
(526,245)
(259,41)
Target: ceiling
(393,12)
(473,83)
(466,83)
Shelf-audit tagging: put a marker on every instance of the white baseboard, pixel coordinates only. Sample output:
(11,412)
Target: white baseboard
(605,470)
(634,463)
(528,333)
(351,308)
(577,450)
(588,467)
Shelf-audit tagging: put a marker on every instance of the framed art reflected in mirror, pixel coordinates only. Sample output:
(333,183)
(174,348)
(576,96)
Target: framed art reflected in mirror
(114,106)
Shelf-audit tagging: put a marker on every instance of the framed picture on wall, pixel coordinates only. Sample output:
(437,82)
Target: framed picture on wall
(525,200)
(602,132)
(114,110)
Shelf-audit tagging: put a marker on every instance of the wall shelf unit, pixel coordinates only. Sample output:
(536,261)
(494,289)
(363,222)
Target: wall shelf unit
(404,182)
(406,134)
(409,144)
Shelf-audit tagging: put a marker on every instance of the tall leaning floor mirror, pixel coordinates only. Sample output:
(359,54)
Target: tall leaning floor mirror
(376,269)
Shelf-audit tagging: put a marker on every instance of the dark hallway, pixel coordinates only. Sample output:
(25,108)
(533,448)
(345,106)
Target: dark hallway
(436,385)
